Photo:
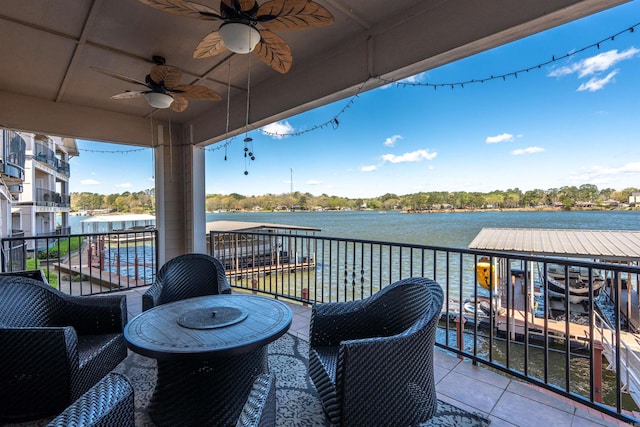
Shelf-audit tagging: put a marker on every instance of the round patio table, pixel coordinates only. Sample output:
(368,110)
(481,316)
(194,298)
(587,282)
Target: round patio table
(209,351)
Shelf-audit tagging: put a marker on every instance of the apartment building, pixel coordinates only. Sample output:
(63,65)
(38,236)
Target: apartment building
(35,198)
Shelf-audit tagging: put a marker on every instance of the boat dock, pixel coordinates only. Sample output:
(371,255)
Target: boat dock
(614,246)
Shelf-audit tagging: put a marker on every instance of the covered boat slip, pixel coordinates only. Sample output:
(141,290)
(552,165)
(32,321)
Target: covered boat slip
(612,246)
(110,223)
(273,247)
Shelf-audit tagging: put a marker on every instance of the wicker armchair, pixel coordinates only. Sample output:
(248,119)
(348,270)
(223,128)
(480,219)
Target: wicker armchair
(109,403)
(260,407)
(54,346)
(186,276)
(372,360)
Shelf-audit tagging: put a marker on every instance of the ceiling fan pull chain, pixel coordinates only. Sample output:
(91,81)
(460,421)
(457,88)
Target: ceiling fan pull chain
(246,122)
(153,154)
(170,151)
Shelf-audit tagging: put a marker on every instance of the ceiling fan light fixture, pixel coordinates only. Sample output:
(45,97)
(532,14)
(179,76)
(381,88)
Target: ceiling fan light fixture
(239,37)
(158,100)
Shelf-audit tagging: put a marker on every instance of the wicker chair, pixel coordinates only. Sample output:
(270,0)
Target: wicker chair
(109,403)
(186,276)
(260,407)
(372,360)
(54,346)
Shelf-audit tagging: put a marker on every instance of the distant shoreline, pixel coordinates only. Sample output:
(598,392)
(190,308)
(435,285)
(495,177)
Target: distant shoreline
(411,211)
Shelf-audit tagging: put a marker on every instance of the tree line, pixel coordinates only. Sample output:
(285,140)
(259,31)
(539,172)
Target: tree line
(127,202)
(584,196)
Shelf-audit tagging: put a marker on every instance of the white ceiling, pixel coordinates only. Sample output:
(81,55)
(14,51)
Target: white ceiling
(48,47)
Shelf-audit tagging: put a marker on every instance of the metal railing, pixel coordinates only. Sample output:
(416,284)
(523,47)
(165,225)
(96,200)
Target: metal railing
(516,324)
(47,197)
(501,310)
(12,156)
(46,155)
(85,264)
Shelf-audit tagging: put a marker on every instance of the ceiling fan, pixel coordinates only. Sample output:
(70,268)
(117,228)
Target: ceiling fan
(163,87)
(249,27)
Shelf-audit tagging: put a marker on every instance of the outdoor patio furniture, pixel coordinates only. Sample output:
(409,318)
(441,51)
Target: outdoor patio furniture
(32,274)
(209,352)
(260,407)
(372,360)
(186,276)
(109,403)
(54,346)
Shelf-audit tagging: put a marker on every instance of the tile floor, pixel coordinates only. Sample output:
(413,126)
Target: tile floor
(504,401)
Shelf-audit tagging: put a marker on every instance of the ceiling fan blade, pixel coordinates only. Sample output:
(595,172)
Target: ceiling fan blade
(119,76)
(184,8)
(274,51)
(196,92)
(239,5)
(165,73)
(129,94)
(210,45)
(283,15)
(179,103)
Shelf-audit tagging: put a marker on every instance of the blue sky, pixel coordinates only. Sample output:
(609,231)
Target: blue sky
(575,121)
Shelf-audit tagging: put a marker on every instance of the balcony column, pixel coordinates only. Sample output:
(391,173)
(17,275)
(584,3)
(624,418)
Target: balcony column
(180,194)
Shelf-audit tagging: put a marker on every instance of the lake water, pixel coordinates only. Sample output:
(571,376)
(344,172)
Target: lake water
(451,229)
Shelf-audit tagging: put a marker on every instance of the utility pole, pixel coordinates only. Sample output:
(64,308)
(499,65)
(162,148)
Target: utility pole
(291,182)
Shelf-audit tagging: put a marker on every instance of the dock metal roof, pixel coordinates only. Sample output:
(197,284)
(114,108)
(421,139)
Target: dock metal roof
(246,225)
(618,245)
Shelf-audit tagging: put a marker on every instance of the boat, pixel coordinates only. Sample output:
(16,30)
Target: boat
(556,277)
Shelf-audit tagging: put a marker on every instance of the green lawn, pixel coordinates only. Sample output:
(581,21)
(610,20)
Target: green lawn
(59,250)
(34,264)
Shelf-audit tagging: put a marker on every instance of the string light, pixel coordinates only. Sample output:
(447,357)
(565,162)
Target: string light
(113,151)
(514,74)
(334,123)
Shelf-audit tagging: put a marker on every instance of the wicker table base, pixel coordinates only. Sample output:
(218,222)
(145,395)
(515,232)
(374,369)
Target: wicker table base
(205,393)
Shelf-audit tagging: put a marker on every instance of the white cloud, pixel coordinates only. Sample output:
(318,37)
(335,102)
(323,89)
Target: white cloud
(151,178)
(599,174)
(418,78)
(278,130)
(505,137)
(391,141)
(595,64)
(528,150)
(313,182)
(369,168)
(89,182)
(595,84)
(414,156)
(124,185)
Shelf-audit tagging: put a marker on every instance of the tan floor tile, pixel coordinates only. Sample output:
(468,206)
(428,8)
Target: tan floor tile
(475,393)
(525,412)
